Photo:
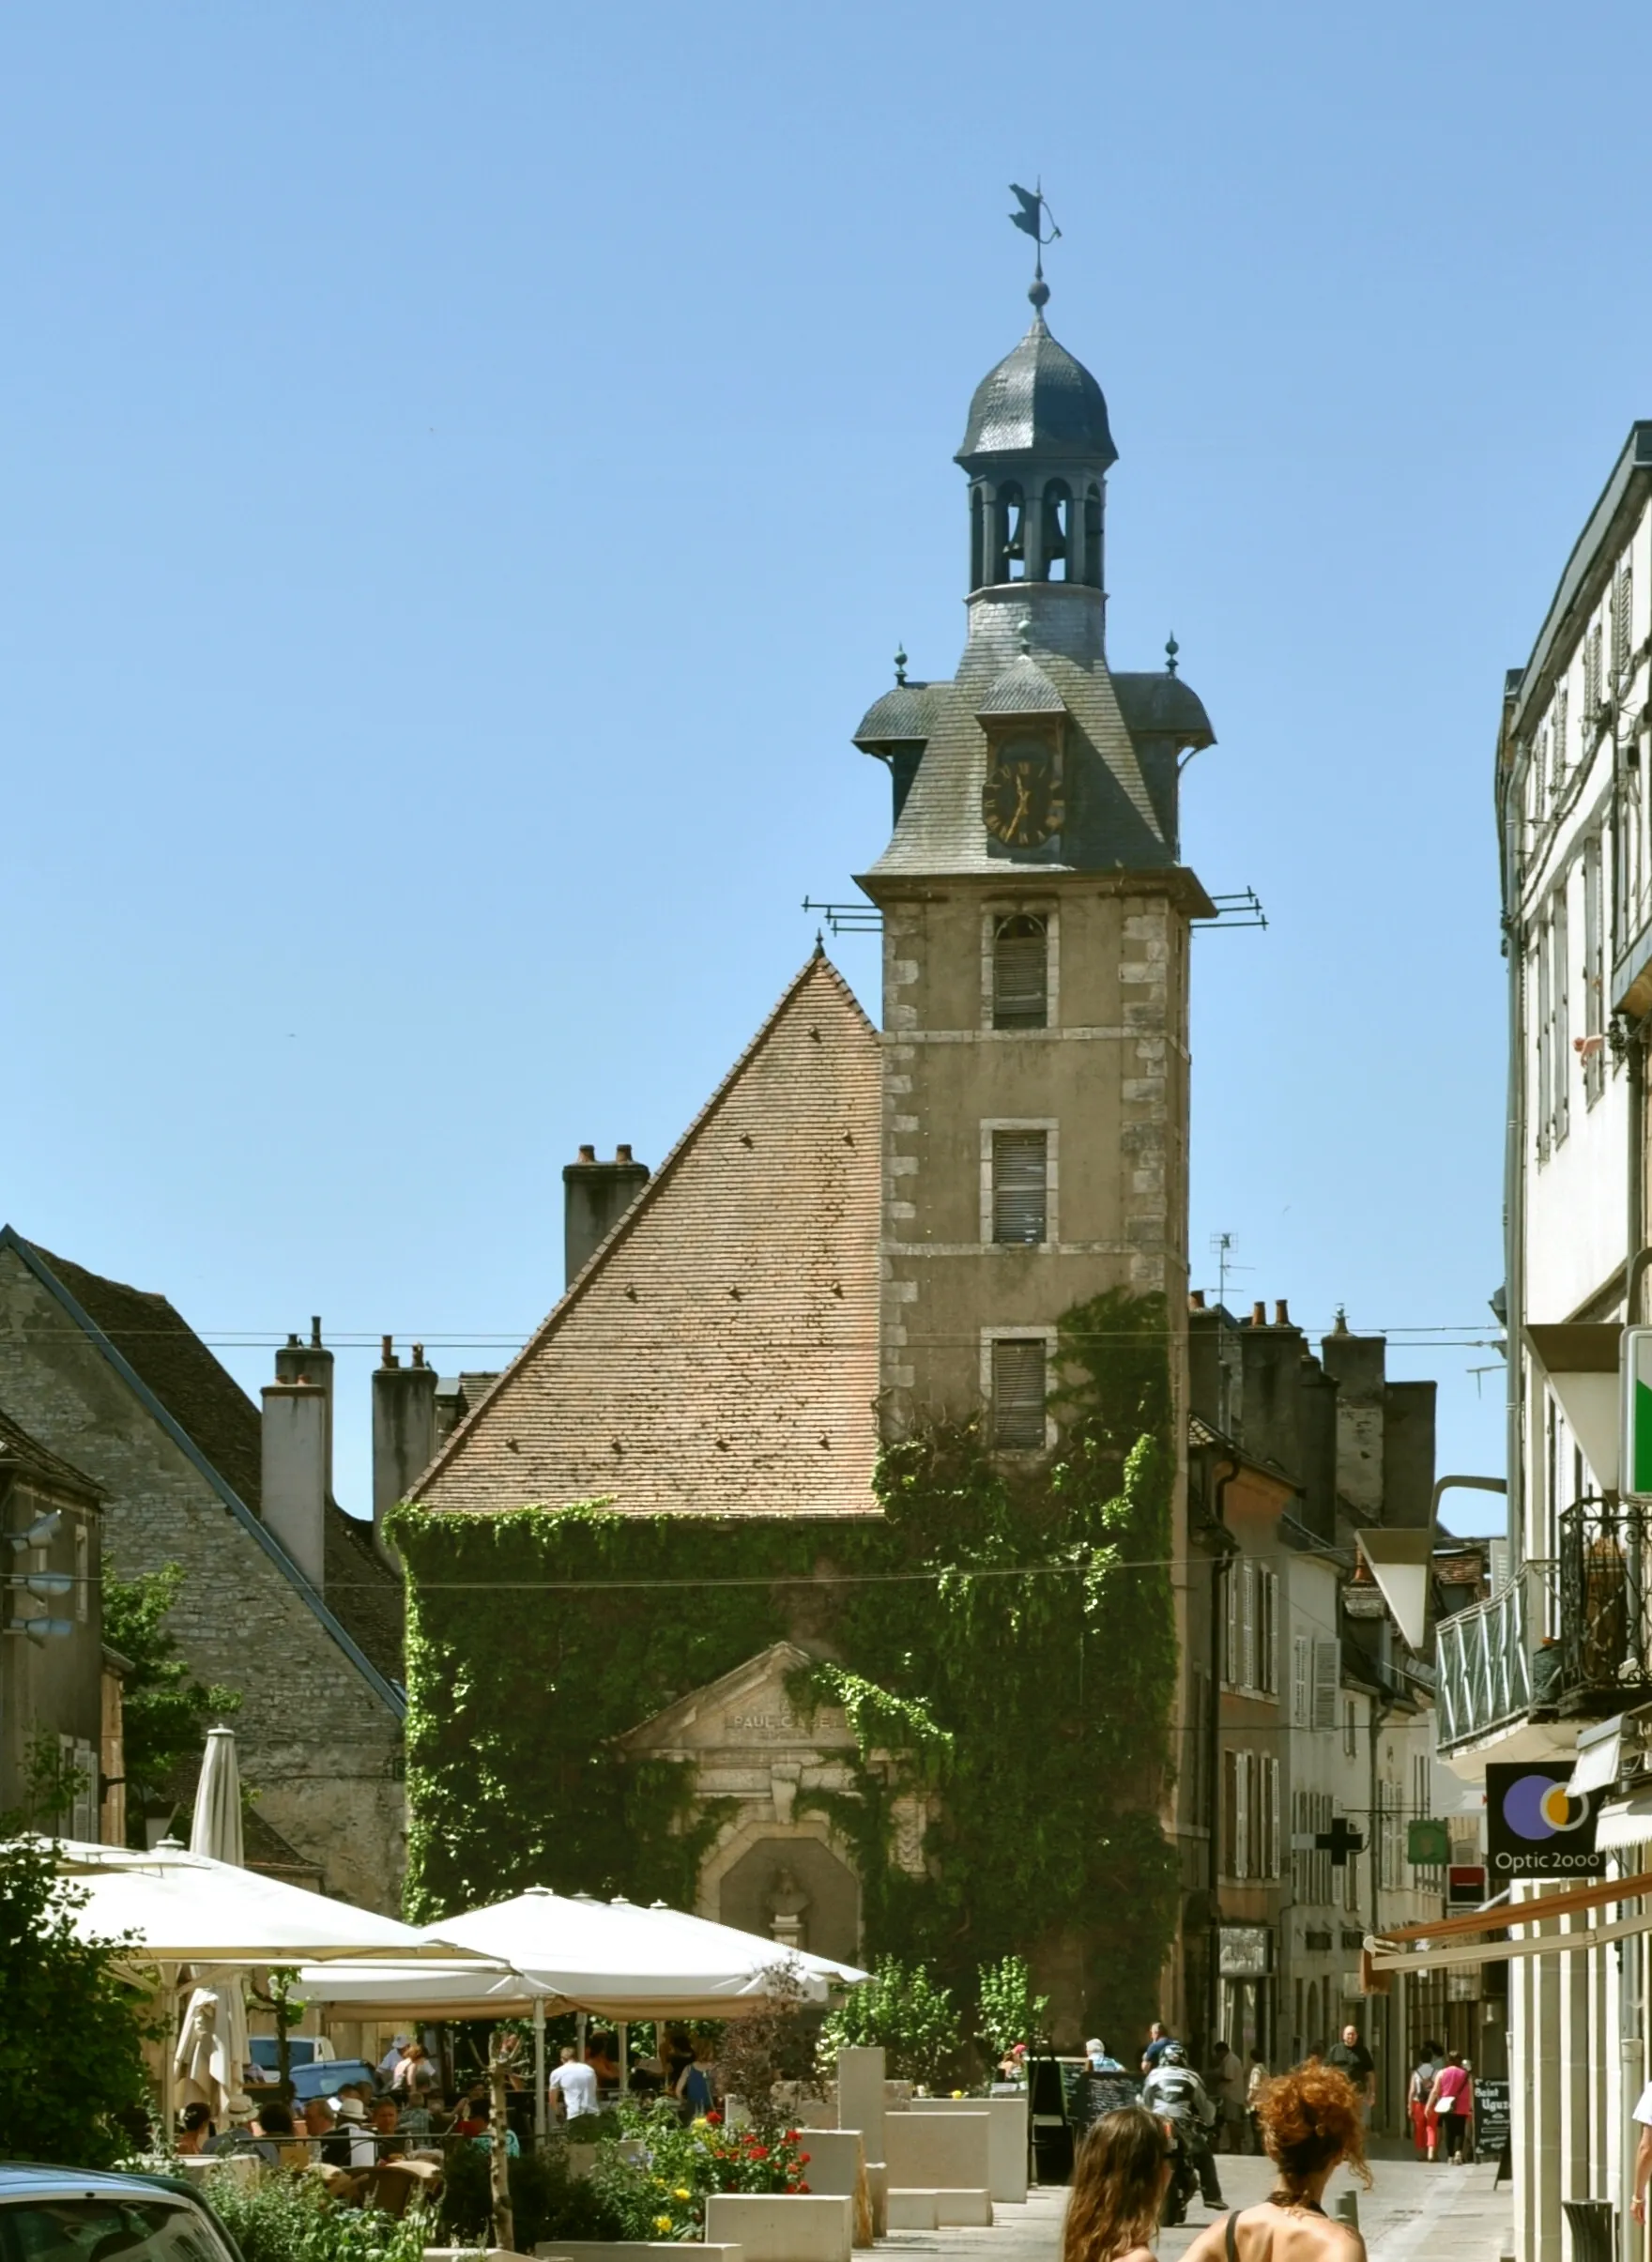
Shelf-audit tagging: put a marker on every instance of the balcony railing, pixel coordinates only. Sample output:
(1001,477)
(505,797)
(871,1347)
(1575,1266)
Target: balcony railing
(1605,1628)
(1492,1662)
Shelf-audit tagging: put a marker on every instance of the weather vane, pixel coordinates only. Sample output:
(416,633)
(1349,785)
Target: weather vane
(1034,211)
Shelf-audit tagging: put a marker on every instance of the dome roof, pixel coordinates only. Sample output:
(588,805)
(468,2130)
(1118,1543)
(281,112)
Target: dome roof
(1038,397)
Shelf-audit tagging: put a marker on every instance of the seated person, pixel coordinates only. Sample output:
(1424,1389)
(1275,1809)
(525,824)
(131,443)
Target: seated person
(353,2124)
(268,2137)
(483,2135)
(195,2129)
(330,2143)
(385,2118)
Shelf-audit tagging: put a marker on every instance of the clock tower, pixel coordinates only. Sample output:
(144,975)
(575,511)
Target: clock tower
(1035,939)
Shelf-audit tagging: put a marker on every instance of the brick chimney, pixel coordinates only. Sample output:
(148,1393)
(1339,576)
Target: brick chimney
(404,1433)
(293,1438)
(595,1196)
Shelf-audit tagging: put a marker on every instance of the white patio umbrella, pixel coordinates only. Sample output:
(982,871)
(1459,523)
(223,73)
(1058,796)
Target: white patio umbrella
(212,2042)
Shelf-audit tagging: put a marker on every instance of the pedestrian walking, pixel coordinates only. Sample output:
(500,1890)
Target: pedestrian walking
(1451,2101)
(1119,2184)
(1312,2120)
(1423,2127)
(1256,2081)
(1351,2057)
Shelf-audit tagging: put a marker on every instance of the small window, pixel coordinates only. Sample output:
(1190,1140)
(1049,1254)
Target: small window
(1019,1394)
(1021,973)
(1020,1186)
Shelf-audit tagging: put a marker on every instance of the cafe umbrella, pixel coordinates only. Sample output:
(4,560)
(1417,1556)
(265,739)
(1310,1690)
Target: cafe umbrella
(212,2045)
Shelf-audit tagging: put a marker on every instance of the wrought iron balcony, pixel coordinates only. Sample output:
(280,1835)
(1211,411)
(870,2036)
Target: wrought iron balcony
(1568,1637)
(1605,1628)
(1497,1662)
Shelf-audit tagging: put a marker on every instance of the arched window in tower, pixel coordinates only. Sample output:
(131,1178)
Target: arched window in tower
(1020,972)
(978,573)
(1092,536)
(1057,545)
(1010,559)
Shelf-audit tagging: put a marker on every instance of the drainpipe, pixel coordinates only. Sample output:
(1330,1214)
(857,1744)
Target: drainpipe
(1382,1710)
(1514,1179)
(1219,1587)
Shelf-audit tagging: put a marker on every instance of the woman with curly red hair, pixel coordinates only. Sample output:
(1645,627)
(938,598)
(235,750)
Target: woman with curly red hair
(1312,2121)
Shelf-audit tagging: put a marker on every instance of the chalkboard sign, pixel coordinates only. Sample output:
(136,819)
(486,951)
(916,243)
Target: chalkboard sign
(1490,2117)
(1100,2093)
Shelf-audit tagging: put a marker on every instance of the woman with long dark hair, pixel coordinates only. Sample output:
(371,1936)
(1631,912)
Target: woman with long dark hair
(1118,2182)
(1312,2121)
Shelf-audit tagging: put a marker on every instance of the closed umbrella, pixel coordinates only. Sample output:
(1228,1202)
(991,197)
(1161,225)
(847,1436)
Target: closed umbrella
(212,2043)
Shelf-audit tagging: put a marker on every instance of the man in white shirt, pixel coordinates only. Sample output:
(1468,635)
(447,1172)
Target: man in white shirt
(573,2087)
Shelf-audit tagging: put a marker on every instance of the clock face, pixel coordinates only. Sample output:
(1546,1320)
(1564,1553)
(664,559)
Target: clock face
(1021,800)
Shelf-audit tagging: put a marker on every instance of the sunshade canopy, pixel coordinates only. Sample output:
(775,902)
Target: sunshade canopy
(185,1908)
(615,1958)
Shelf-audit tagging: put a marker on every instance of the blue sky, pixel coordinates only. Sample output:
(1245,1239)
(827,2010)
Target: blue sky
(466,471)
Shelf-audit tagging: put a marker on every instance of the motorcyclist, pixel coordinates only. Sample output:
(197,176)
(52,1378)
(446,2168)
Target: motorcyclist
(1176,2094)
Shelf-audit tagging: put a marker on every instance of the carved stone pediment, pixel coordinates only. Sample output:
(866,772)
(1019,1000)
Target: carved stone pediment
(747,1711)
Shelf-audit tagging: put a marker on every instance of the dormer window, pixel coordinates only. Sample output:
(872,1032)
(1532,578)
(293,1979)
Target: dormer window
(1020,972)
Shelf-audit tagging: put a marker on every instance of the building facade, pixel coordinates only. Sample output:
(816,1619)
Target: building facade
(282,1597)
(1564,1641)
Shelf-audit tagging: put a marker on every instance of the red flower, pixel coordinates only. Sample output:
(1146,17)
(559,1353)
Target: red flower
(713,2120)
(802,2159)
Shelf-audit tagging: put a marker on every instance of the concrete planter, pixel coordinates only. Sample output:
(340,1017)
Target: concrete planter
(938,2151)
(1006,2139)
(836,2167)
(630,2250)
(783,2226)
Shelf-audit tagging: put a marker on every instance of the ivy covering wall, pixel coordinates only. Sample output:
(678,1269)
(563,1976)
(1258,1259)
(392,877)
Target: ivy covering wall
(1003,1637)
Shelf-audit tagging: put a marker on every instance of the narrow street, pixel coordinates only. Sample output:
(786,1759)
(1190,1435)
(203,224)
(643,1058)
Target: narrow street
(1412,2213)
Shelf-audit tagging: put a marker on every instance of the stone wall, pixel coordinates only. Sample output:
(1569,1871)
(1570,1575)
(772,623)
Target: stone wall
(321,1747)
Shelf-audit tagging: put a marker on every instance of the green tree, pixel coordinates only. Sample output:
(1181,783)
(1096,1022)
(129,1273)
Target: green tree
(1009,2011)
(71,2033)
(901,2011)
(165,1710)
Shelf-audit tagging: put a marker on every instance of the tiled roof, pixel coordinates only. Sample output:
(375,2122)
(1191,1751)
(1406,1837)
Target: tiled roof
(719,1352)
(212,1408)
(19,1449)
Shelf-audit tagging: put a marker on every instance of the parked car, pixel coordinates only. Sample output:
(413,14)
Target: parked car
(69,2214)
(302,2050)
(326,2076)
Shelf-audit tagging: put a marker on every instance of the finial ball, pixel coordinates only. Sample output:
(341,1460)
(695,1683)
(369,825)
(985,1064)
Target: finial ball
(1038,291)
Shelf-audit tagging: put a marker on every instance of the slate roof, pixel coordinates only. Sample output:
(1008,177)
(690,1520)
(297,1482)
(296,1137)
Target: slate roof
(1019,631)
(18,1449)
(1038,397)
(718,1354)
(212,1408)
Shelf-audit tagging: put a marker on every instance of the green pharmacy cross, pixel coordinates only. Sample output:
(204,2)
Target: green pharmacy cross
(1637,1413)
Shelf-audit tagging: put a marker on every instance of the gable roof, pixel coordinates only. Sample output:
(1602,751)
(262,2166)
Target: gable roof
(19,1450)
(718,1354)
(212,1419)
(667,1729)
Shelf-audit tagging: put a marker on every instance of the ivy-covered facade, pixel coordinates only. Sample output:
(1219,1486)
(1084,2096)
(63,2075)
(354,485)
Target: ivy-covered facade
(852,1604)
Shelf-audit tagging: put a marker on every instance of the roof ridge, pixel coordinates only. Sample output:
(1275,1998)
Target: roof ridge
(813,967)
(29,1449)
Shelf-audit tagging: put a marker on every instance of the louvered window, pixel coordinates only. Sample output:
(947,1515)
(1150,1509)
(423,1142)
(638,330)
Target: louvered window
(1021,973)
(1020,1185)
(1327,1676)
(1019,1394)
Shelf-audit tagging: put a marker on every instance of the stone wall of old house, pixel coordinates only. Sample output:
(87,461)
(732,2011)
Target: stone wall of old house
(321,1747)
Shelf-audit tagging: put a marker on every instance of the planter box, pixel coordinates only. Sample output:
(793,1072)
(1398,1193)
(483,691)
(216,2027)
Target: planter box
(938,2151)
(912,2212)
(837,2169)
(859,2096)
(630,2250)
(783,2226)
(1006,2141)
(972,2209)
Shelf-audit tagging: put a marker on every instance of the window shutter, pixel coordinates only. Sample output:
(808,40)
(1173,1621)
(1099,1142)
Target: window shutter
(1231,1641)
(1021,974)
(1270,1642)
(1230,1814)
(1020,1179)
(1327,1676)
(1242,1814)
(86,1794)
(1561,985)
(1301,1681)
(1621,594)
(1247,1625)
(1019,1395)
(1274,1865)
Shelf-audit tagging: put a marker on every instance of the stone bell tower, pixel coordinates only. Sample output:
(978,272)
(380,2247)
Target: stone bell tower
(1036,924)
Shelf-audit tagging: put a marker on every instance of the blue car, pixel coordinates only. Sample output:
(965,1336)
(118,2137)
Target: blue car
(71,2214)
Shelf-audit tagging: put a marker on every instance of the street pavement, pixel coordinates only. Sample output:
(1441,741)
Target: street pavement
(1412,2213)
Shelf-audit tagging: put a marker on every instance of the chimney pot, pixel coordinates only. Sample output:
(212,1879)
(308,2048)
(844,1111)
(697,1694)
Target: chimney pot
(418,1354)
(293,1339)
(1281,1312)
(315,1330)
(595,1196)
(588,1154)
(622,1154)
(387,1356)
(1258,1314)
(1196,1299)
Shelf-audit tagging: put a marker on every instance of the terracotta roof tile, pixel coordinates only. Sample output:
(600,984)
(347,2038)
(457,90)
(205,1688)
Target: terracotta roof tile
(719,1352)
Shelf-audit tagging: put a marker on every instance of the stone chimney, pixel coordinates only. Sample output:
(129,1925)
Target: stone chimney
(404,1433)
(595,1196)
(294,1433)
(311,1362)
